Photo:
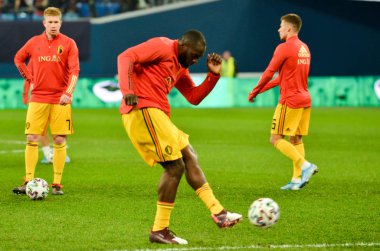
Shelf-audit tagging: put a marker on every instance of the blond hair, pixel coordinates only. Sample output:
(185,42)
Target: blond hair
(53,11)
(294,20)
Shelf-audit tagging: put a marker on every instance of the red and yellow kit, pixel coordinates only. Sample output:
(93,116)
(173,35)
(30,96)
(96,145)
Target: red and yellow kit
(151,69)
(292,60)
(55,67)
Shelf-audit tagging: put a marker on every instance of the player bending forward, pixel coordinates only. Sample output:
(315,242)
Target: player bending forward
(147,73)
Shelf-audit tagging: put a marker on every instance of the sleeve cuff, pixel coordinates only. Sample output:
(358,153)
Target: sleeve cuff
(68,94)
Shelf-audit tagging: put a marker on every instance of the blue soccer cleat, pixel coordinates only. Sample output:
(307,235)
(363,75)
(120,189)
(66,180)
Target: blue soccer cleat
(292,186)
(47,160)
(307,173)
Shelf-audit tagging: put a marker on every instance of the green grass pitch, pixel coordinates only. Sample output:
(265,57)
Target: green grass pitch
(110,193)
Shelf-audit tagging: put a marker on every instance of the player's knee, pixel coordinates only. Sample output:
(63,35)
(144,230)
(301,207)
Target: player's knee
(59,139)
(272,140)
(174,168)
(189,155)
(275,138)
(32,138)
(179,169)
(295,139)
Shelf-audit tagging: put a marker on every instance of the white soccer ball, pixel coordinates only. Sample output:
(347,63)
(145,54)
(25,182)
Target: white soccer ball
(264,212)
(37,189)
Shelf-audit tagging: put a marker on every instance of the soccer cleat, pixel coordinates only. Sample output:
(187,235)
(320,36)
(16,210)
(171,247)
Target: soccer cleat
(291,186)
(67,159)
(307,173)
(57,189)
(226,219)
(47,160)
(21,189)
(165,236)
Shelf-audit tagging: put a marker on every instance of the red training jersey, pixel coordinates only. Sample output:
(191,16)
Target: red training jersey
(151,69)
(292,60)
(54,67)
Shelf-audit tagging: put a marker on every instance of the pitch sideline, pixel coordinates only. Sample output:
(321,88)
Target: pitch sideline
(12,142)
(284,246)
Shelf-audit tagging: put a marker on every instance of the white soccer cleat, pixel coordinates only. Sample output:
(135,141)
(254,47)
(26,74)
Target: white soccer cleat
(226,219)
(165,236)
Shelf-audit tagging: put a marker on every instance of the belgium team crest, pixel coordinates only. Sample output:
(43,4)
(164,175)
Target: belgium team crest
(60,50)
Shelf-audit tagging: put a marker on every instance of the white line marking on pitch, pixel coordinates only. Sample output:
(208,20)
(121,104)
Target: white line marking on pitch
(285,246)
(12,151)
(16,142)
(12,142)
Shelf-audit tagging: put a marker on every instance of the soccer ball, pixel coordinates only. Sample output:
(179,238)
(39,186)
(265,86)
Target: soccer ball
(264,212)
(37,189)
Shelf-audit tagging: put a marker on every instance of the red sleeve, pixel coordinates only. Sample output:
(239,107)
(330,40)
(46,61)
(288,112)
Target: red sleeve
(274,65)
(273,83)
(195,94)
(25,92)
(27,86)
(148,51)
(73,64)
(20,60)
(124,70)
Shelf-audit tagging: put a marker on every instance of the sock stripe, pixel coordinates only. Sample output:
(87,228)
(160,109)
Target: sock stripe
(297,144)
(59,146)
(204,187)
(165,204)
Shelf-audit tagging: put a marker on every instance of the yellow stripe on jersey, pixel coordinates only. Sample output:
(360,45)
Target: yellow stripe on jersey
(153,134)
(73,82)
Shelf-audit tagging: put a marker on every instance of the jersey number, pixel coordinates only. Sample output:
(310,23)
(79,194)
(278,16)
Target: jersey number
(273,124)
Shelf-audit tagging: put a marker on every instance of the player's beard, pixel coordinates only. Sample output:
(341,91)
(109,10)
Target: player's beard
(183,61)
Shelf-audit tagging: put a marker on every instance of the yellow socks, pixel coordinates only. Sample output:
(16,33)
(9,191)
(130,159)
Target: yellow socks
(31,158)
(289,151)
(164,209)
(297,169)
(59,158)
(207,196)
(162,218)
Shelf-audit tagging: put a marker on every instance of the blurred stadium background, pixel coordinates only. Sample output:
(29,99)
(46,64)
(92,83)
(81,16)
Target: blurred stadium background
(343,36)
(110,194)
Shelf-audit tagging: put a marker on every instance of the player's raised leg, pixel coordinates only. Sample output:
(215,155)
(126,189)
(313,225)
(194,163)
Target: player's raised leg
(197,180)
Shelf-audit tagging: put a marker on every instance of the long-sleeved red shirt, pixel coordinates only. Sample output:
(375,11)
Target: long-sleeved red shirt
(151,69)
(292,60)
(55,65)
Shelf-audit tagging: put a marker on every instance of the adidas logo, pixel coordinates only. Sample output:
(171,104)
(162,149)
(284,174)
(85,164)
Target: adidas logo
(303,53)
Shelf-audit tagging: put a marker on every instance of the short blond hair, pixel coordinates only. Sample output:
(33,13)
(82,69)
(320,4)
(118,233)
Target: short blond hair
(53,11)
(294,20)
